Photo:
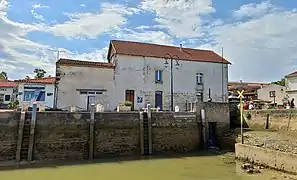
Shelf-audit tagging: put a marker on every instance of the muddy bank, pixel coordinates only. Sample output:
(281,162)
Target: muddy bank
(279,141)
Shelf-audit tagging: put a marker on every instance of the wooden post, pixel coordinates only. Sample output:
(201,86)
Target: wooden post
(267,122)
(141,133)
(20,137)
(149,117)
(203,120)
(241,116)
(91,138)
(32,132)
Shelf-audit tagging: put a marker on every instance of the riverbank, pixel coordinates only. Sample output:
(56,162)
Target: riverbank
(277,150)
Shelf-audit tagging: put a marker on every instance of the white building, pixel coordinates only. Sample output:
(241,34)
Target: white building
(274,93)
(291,82)
(7,91)
(40,90)
(81,83)
(138,73)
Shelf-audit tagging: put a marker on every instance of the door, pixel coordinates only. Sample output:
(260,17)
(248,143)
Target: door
(90,100)
(159,100)
(129,96)
(212,134)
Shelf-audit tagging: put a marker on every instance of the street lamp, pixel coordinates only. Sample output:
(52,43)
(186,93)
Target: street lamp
(171,58)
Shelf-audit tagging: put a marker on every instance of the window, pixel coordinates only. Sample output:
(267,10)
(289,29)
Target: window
(7,98)
(272,93)
(158,77)
(199,78)
(38,95)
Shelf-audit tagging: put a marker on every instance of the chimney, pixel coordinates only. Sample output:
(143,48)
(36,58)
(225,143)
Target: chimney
(180,46)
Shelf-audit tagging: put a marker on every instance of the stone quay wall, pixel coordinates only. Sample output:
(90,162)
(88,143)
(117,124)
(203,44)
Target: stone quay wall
(66,136)
(281,120)
(274,159)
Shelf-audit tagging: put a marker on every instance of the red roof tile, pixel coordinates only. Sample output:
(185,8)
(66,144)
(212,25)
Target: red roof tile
(46,80)
(159,51)
(292,74)
(7,84)
(71,62)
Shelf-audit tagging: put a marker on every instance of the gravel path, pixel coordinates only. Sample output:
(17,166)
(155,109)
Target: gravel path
(272,140)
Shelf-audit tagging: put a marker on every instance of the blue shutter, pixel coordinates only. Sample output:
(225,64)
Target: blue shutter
(160,75)
(156,75)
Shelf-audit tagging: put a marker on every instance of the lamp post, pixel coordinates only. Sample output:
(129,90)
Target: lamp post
(171,58)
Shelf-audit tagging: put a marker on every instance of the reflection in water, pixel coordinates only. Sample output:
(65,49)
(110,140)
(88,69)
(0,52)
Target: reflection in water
(216,167)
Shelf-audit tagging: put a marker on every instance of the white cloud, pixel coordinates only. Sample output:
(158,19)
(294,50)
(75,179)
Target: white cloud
(37,16)
(149,36)
(83,5)
(3,7)
(35,6)
(262,48)
(254,10)
(91,25)
(182,18)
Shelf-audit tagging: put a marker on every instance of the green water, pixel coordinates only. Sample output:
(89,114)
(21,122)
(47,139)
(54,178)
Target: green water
(216,167)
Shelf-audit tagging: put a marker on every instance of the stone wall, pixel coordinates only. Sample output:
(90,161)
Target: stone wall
(271,158)
(278,119)
(66,136)
(9,122)
(116,134)
(175,132)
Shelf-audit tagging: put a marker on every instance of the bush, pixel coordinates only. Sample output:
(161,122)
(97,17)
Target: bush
(13,104)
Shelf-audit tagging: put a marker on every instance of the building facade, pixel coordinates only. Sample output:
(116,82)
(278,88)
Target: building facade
(40,90)
(141,73)
(273,93)
(291,83)
(8,91)
(81,83)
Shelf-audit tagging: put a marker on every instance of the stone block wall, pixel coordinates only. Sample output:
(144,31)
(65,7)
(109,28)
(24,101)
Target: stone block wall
(61,135)
(282,120)
(116,134)
(9,122)
(175,132)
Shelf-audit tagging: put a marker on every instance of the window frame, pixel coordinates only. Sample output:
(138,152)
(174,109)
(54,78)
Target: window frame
(159,73)
(199,78)
(272,94)
(32,95)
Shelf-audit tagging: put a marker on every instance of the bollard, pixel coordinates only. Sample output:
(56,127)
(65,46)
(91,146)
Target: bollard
(267,122)
(91,139)
(32,132)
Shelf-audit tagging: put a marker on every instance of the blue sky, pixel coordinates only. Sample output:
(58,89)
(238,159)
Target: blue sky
(259,37)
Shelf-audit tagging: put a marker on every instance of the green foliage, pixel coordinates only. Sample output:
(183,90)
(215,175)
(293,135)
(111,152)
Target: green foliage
(13,104)
(282,82)
(3,75)
(126,103)
(39,73)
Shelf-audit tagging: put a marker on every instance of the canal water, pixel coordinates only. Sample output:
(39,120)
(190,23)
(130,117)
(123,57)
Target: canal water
(204,167)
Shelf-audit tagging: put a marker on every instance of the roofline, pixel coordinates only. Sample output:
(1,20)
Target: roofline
(26,80)
(107,65)
(111,43)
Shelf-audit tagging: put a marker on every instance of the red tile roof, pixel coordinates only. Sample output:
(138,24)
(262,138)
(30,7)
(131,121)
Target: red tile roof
(46,80)
(159,51)
(292,74)
(7,84)
(71,62)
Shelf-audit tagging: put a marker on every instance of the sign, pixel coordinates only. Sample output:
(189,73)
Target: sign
(240,94)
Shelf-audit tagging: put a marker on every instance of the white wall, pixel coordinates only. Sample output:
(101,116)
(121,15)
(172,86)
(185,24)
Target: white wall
(280,93)
(292,83)
(49,88)
(138,73)
(6,91)
(73,78)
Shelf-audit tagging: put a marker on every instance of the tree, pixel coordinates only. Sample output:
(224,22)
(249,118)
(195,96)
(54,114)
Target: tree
(39,73)
(282,82)
(3,75)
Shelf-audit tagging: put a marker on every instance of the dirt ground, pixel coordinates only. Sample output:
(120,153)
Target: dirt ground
(282,141)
